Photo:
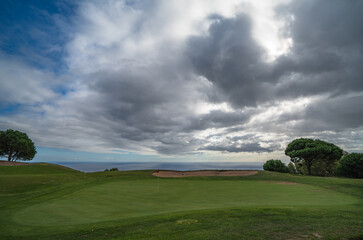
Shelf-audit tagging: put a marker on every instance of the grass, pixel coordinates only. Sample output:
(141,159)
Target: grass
(44,201)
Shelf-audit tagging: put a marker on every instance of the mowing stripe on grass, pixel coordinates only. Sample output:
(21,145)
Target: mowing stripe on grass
(132,198)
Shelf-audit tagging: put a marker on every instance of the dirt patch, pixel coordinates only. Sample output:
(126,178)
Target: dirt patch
(178,174)
(285,183)
(186,221)
(6,163)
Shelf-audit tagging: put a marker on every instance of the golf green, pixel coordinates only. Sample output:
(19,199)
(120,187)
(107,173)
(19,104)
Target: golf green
(132,198)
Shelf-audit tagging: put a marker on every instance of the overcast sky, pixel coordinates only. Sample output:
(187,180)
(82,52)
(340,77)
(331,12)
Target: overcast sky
(181,80)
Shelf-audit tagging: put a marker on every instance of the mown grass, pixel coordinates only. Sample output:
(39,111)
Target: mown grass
(43,201)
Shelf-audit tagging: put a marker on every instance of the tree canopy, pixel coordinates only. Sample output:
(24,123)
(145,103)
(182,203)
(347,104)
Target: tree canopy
(15,145)
(275,166)
(351,165)
(309,151)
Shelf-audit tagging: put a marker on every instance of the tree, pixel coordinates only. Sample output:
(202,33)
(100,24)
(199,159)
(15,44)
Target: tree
(308,151)
(351,165)
(16,145)
(275,166)
(292,168)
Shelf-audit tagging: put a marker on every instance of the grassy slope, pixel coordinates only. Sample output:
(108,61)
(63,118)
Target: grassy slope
(34,197)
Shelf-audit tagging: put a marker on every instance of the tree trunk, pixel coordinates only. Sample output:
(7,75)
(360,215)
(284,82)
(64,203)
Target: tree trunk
(10,155)
(308,166)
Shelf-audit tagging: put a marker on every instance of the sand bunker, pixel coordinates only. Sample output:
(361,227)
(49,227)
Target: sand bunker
(177,174)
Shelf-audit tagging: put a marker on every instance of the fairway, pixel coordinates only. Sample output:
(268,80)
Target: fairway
(133,198)
(46,201)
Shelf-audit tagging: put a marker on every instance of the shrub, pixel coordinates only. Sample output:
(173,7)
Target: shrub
(351,165)
(114,169)
(275,166)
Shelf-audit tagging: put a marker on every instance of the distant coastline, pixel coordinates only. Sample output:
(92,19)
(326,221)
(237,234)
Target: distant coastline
(178,166)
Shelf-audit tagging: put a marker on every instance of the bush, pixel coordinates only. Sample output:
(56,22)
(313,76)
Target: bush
(112,169)
(275,166)
(351,165)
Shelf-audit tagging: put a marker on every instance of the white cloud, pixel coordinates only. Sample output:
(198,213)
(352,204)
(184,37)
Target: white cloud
(23,84)
(135,89)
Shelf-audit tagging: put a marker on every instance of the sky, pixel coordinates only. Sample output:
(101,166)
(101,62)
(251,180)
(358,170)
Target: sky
(172,80)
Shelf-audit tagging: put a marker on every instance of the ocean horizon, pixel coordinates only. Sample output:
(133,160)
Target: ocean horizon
(177,166)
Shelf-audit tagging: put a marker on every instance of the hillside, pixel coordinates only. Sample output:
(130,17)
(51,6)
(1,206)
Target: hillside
(19,168)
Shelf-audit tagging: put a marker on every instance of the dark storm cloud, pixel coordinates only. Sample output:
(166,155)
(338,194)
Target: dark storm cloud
(325,60)
(137,100)
(327,48)
(134,107)
(326,55)
(131,105)
(325,23)
(236,148)
(217,119)
(334,114)
(231,59)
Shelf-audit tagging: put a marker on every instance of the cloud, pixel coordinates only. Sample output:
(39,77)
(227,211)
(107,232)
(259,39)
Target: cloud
(334,114)
(231,59)
(152,78)
(22,84)
(326,49)
(234,148)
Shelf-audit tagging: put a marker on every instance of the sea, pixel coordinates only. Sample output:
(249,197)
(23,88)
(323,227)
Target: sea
(177,166)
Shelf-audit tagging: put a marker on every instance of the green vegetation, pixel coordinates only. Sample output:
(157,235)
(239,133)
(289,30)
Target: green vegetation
(44,201)
(15,145)
(291,167)
(351,165)
(314,156)
(112,169)
(275,166)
